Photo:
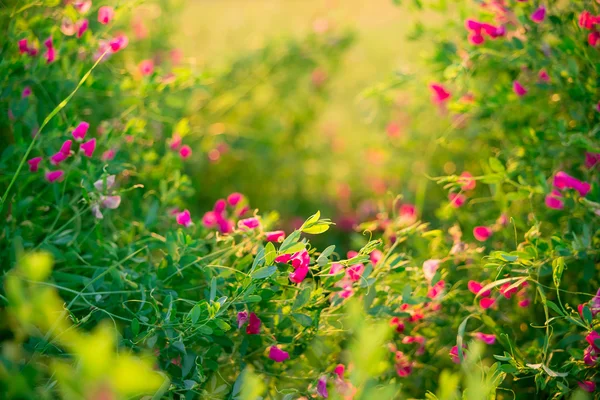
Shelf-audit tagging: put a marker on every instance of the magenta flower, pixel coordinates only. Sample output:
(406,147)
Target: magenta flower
(175,142)
(146,67)
(26,92)
(242,318)
(507,291)
(587,20)
(108,155)
(278,355)
(403,365)
(408,214)
(83,6)
(430,267)
(66,147)
(594,38)
(275,236)
(486,338)
(375,257)
(184,218)
(519,89)
(524,303)
(355,272)
(253,327)
(543,76)
(486,302)
(299,274)
(436,290)
(588,386)
(593,338)
(105,14)
(80,131)
(88,147)
(590,356)
(440,94)
(539,15)
(58,158)
(250,223)
(322,387)
(185,151)
(234,198)
(554,200)
(339,371)
(457,200)
(34,164)
(562,181)
(591,160)
(482,233)
(300,262)
(55,176)
(82,26)
(119,42)
(466,181)
(397,324)
(336,268)
(475,287)
(220,206)
(454,354)
(23,48)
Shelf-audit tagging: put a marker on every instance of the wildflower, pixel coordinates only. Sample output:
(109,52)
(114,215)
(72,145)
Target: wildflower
(50,51)
(185,151)
(278,355)
(482,233)
(440,94)
(590,356)
(88,147)
(108,155)
(81,26)
(554,200)
(486,338)
(593,338)
(594,38)
(234,198)
(562,180)
(58,158)
(275,236)
(83,6)
(23,47)
(242,318)
(420,340)
(300,262)
(519,89)
(119,42)
(146,67)
(457,199)
(110,181)
(175,141)
(466,181)
(587,20)
(543,76)
(507,291)
(67,27)
(430,267)
(253,327)
(80,131)
(355,272)
(250,223)
(486,302)
(393,129)
(524,303)
(336,268)
(34,164)
(588,386)
(403,365)
(220,206)
(539,15)
(322,387)
(475,288)
(111,202)
(66,147)
(454,354)
(106,14)
(375,257)
(397,324)
(436,290)
(408,214)
(339,371)
(26,92)
(591,159)
(55,176)
(184,218)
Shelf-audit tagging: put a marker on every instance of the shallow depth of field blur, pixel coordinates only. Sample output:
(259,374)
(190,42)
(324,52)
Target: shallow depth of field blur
(300,199)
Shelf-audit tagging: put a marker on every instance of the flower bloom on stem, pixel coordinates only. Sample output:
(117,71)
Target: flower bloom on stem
(23,47)
(322,387)
(111,202)
(184,218)
(278,355)
(83,6)
(242,318)
(587,20)
(253,327)
(486,302)
(275,236)
(175,141)
(55,176)
(467,182)
(457,200)
(397,324)
(440,94)
(591,160)
(50,51)
(300,261)
(486,338)
(108,155)
(249,223)
(403,365)
(554,200)
(454,354)
(475,288)
(430,267)
(88,147)
(234,198)
(34,164)
(482,233)
(80,131)
(562,181)
(420,340)
(119,42)
(57,158)
(507,291)
(375,256)
(146,67)
(436,290)
(590,356)
(185,151)
(26,92)
(355,272)
(539,15)
(110,181)
(519,89)
(543,76)
(81,26)
(408,214)
(588,386)
(106,15)
(593,338)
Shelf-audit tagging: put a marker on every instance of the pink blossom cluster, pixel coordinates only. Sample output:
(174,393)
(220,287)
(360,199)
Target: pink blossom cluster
(220,219)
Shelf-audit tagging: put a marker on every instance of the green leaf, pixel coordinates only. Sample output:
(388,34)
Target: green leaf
(135,326)
(259,259)
(195,313)
(323,258)
(294,248)
(316,229)
(289,241)
(587,314)
(213,288)
(496,165)
(302,319)
(270,253)
(302,298)
(264,272)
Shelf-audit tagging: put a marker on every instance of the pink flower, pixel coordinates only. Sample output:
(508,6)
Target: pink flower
(355,272)
(539,15)
(336,268)
(55,176)
(119,42)
(486,302)
(58,158)
(50,55)
(99,184)
(590,357)
(466,181)
(519,89)
(322,387)
(111,202)
(34,164)
(83,6)
(299,274)
(554,200)
(234,198)
(436,290)
(81,26)
(587,20)
(66,147)
(375,257)
(275,236)
(175,142)
(242,318)
(300,261)
(185,151)
(408,214)
(397,324)
(23,48)
(250,223)
(209,219)
(184,218)
(220,206)
(524,303)
(88,147)
(146,67)
(507,291)
(26,92)
(475,287)
(588,386)
(253,327)
(440,94)
(482,233)
(68,27)
(225,226)
(454,354)
(108,155)
(591,159)
(595,304)
(105,14)
(593,338)
(486,338)
(278,355)
(594,38)
(457,200)
(564,181)
(80,131)
(476,39)
(403,365)
(543,76)
(430,267)
(339,371)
